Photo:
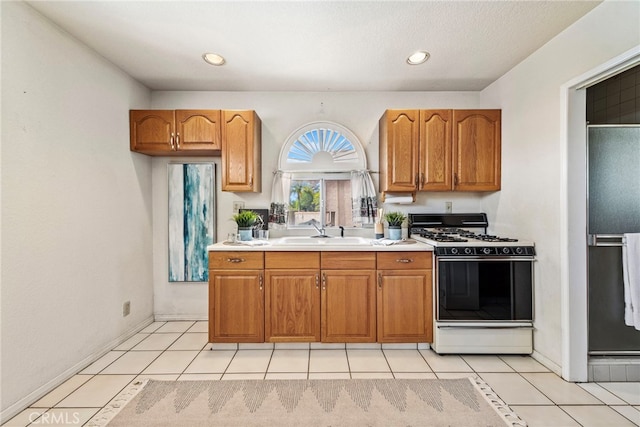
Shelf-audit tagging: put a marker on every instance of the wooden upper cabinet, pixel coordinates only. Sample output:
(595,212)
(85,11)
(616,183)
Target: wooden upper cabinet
(198,130)
(435,151)
(440,150)
(175,132)
(399,144)
(241,151)
(477,150)
(152,131)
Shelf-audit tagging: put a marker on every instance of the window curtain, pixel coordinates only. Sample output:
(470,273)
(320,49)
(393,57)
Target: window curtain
(364,198)
(280,190)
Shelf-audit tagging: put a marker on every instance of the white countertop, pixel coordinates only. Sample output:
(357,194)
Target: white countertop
(332,244)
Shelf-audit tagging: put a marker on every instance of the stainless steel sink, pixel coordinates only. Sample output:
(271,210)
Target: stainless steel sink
(314,241)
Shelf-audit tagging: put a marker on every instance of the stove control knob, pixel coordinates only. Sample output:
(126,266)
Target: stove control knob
(505,250)
(468,251)
(519,251)
(486,251)
(454,250)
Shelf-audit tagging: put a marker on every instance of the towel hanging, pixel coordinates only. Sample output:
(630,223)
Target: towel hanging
(631,278)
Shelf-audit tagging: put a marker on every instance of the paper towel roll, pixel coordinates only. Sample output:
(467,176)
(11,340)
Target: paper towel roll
(398,198)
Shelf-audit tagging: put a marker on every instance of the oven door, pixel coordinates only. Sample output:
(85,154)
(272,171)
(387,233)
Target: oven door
(484,289)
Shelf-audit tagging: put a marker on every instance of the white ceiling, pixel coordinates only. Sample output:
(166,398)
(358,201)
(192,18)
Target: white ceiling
(315,45)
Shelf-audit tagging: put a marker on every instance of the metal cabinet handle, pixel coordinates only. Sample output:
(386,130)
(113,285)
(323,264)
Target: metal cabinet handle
(171,140)
(317,281)
(261,281)
(178,141)
(422,180)
(380,281)
(404,260)
(235,260)
(324,281)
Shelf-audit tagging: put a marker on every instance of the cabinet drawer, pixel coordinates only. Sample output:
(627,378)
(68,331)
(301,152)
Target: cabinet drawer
(348,260)
(236,260)
(292,260)
(404,260)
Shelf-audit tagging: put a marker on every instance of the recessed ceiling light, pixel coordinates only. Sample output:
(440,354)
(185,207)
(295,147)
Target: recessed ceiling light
(213,59)
(418,57)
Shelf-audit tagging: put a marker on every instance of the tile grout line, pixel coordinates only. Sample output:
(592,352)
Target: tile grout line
(625,402)
(346,354)
(230,362)
(266,371)
(393,375)
(426,361)
(552,401)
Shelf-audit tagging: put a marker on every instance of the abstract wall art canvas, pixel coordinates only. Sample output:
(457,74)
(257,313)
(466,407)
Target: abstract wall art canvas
(191,220)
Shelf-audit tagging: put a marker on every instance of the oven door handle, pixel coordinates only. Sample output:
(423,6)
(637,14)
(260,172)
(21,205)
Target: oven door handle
(484,326)
(485,258)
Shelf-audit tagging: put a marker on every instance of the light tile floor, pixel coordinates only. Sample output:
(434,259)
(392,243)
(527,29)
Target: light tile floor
(179,350)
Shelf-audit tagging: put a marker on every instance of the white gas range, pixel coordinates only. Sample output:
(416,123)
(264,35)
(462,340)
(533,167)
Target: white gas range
(483,285)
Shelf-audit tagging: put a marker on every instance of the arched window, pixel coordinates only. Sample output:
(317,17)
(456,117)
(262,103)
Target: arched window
(322,179)
(322,147)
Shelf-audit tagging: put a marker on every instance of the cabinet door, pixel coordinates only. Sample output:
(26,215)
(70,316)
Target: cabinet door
(236,306)
(348,306)
(435,151)
(292,306)
(198,130)
(399,133)
(152,131)
(241,151)
(477,150)
(405,312)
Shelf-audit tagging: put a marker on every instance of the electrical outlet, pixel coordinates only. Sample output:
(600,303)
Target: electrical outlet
(237,206)
(448,207)
(126,308)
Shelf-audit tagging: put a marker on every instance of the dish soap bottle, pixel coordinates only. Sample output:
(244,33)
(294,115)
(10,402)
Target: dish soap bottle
(378,227)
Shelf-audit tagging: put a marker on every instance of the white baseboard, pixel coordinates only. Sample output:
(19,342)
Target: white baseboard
(37,394)
(548,363)
(179,317)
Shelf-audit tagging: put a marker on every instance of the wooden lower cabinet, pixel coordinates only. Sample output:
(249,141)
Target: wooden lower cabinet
(348,306)
(348,302)
(332,297)
(236,296)
(292,302)
(292,298)
(404,297)
(404,306)
(236,306)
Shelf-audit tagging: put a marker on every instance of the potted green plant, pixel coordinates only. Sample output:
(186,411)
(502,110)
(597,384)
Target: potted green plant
(247,221)
(395,220)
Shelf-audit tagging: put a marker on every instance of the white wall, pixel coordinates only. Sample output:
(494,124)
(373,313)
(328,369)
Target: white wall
(281,114)
(76,207)
(533,156)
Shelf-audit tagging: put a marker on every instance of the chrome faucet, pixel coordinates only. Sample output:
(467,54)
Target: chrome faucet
(320,230)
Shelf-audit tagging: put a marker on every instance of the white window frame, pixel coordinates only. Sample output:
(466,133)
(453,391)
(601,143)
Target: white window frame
(321,151)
